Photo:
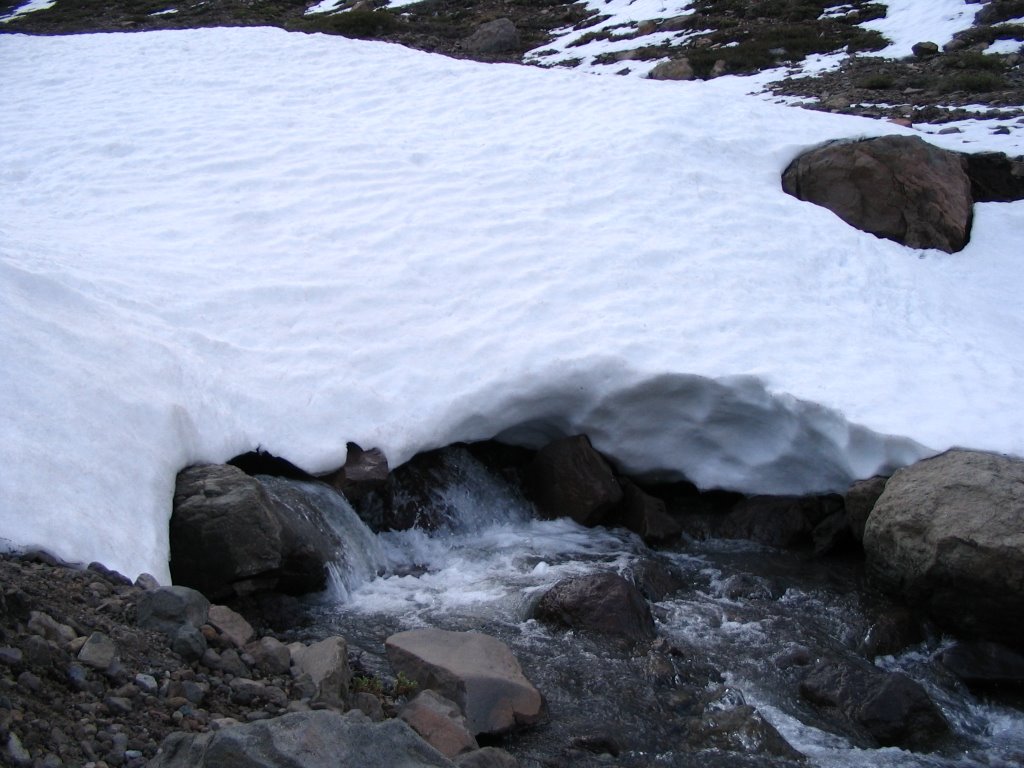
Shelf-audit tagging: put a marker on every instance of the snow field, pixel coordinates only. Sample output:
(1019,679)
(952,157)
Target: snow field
(217,239)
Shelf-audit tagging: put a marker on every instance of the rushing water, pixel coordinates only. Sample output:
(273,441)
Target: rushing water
(740,609)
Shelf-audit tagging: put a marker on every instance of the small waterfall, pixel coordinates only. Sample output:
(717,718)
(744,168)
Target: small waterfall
(353,552)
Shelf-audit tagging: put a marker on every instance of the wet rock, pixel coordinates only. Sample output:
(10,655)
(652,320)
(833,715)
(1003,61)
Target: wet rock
(786,522)
(598,602)
(231,625)
(222,530)
(498,36)
(882,708)
(673,69)
(568,478)
(731,725)
(893,630)
(656,579)
(440,722)
(369,705)
(984,665)
(946,534)
(645,515)
(165,609)
(364,472)
(478,672)
(319,739)
(860,500)
(326,663)
(897,187)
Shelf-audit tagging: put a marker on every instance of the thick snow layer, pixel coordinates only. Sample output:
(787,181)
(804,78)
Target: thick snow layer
(1005,47)
(907,22)
(217,239)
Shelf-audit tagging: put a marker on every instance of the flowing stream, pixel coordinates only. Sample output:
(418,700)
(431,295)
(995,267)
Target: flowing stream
(738,612)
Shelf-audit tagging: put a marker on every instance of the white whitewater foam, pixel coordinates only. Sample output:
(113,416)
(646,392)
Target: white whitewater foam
(222,238)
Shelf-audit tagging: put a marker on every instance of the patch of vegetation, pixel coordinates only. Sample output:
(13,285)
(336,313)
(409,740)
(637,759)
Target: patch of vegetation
(879,81)
(974,82)
(999,10)
(367,684)
(771,45)
(405,686)
(359,24)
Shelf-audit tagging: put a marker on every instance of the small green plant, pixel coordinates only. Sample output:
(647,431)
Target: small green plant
(974,82)
(405,686)
(367,684)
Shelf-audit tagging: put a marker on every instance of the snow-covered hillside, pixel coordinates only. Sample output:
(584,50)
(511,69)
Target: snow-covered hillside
(217,239)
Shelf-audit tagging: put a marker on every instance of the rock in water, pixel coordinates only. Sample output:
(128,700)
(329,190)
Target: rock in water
(948,534)
(476,671)
(320,739)
(568,478)
(897,187)
(886,708)
(598,602)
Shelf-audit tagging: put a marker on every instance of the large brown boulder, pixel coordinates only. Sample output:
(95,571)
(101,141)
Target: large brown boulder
(568,478)
(948,534)
(478,672)
(897,187)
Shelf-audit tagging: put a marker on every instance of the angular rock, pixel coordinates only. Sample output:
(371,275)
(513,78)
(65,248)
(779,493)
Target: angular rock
(326,663)
(995,178)
(44,625)
(318,739)
(99,651)
(897,187)
(165,609)
(498,36)
(947,534)
(476,671)
(673,69)
(188,642)
(860,500)
(364,472)
(270,656)
(231,625)
(568,478)
(440,722)
(223,530)
(786,522)
(598,602)
(882,708)
(646,516)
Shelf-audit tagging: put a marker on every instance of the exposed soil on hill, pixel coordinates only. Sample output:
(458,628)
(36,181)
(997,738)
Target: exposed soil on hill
(717,37)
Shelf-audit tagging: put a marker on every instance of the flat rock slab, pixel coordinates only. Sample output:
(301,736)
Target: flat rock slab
(478,672)
(321,739)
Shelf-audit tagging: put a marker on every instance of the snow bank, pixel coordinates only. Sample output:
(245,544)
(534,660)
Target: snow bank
(217,239)
(907,22)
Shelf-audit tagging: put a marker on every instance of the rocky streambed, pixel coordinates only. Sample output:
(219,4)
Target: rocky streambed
(664,626)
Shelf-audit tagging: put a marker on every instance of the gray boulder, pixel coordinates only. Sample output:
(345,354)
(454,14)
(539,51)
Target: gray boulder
(897,187)
(167,609)
(318,739)
(498,36)
(223,530)
(948,535)
(326,663)
(877,708)
(478,672)
(568,478)
(604,603)
(673,69)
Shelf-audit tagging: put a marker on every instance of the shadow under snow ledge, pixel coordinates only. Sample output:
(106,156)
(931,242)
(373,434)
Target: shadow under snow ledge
(726,432)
